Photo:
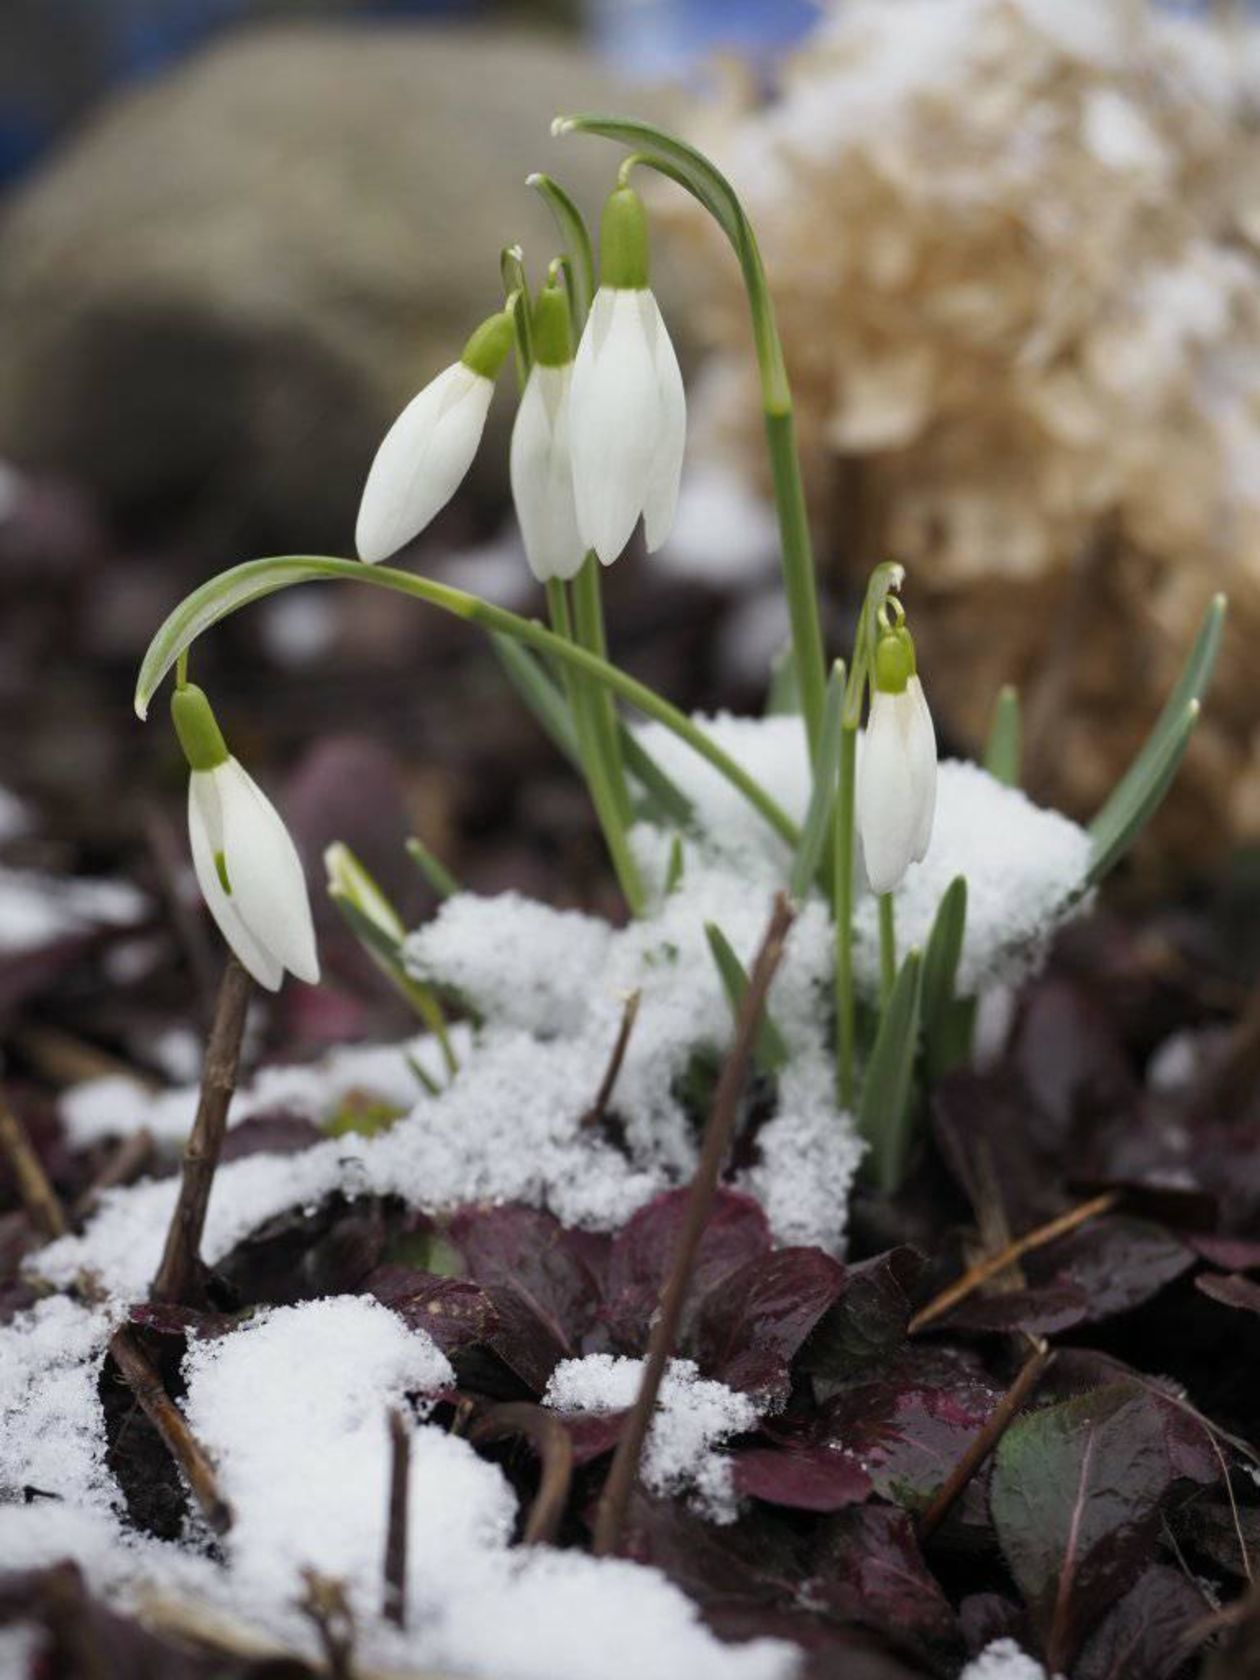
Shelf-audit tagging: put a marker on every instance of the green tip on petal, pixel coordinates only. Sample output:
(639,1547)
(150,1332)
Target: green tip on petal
(199,733)
(488,348)
(553,339)
(894,661)
(220,866)
(623,242)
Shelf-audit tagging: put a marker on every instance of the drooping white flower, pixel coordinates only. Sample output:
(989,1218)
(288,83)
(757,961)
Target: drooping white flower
(628,410)
(247,866)
(541,463)
(896,779)
(427,451)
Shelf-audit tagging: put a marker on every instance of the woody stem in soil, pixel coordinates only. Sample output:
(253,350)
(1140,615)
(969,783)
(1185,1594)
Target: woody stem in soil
(613,1503)
(177,1274)
(394,1602)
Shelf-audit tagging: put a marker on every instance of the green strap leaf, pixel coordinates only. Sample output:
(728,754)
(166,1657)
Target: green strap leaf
(770,1052)
(540,694)
(433,869)
(576,239)
(822,799)
(256,579)
(885,1111)
(1125,819)
(784,696)
(1003,751)
(940,973)
(387,954)
(1133,788)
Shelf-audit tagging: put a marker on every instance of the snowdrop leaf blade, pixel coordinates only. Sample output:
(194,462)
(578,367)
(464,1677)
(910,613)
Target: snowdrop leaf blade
(433,869)
(576,239)
(1191,685)
(1003,751)
(940,972)
(770,1053)
(885,1111)
(783,699)
(1142,796)
(540,694)
(674,157)
(823,796)
(666,799)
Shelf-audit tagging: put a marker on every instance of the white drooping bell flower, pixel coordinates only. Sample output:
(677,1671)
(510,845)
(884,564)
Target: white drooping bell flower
(896,780)
(247,865)
(430,447)
(628,411)
(541,463)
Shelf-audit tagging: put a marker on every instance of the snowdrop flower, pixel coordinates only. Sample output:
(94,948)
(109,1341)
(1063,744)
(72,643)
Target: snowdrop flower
(542,469)
(896,782)
(430,447)
(247,866)
(628,412)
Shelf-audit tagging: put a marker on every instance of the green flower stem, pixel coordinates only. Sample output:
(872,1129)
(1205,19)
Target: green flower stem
(694,172)
(843,905)
(255,579)
(586,702)
(887,948)
(588,616)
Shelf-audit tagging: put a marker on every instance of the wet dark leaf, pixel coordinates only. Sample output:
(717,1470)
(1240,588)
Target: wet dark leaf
(1226,1534)
(277,1133)
(1145,1636)
(870,1570)
(1054,1306)
(1117,1262)
(866,1324)
(532,1269)
(1231,1289)
(457,1313)
(642,1252)
(300,1256)
(1075,1495)
(801,1477)
(753,1323)
(1231,1254)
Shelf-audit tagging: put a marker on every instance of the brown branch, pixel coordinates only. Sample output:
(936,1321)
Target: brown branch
(179,1270)
(142,1379)
(984,1270)
(325,1603)
(555,1449)
(992,1431)
(615,1498)
(38,1196)
(394,1598)
(595,1113)
(124,1166)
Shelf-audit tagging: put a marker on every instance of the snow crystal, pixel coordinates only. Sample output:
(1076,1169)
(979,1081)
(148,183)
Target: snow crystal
(693,1417)
(1003,1660)
(21,1648)
(52,1429)
(37,909)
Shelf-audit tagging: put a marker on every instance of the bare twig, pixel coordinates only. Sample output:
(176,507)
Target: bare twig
(324,1601)
(615,1498)
(124,1166)
(168,860)
(394,1598)
(38,1196)
(144,1382)
(991,1432)
(595,1113)
(181,1258)
(984,1270)
(555,1449)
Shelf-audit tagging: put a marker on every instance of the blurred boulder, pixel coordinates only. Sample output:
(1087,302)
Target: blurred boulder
(214,300)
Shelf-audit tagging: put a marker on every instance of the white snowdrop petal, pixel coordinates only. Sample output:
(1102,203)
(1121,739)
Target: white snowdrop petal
(661,500)
(614,418)
(542,476)
(205,828)
(886,804)
(422,461)
(923,747)
(265,873)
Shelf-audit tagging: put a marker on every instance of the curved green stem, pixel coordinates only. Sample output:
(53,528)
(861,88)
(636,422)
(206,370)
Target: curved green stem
(693,171)
(255,579)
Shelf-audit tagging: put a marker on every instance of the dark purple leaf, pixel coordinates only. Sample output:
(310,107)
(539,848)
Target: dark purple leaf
(870,1571)
(1231,1254)
(988,1616)
(524,1253)
(456,1312)
(1144,1636)
(752,1324)
(804,1478)
(271,1134)
(188,1323)
(910,1437)
(1075,1495)
(301,1256)
(1225,1532)
(1044,1310)
(1117,1263)
(866,1324)
(988,1130)
(643,1250)
(592,1433)
(1231,1289)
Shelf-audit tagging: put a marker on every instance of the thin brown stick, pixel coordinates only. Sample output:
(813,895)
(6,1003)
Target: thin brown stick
(124,1166)
(324,1601)
(394,1597)
(983,1270)
(142,1379)
(190,931)
(615,1498)
(181,1258)
(555,1449)
(595,1113)
(38,1196)
(995,1426)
